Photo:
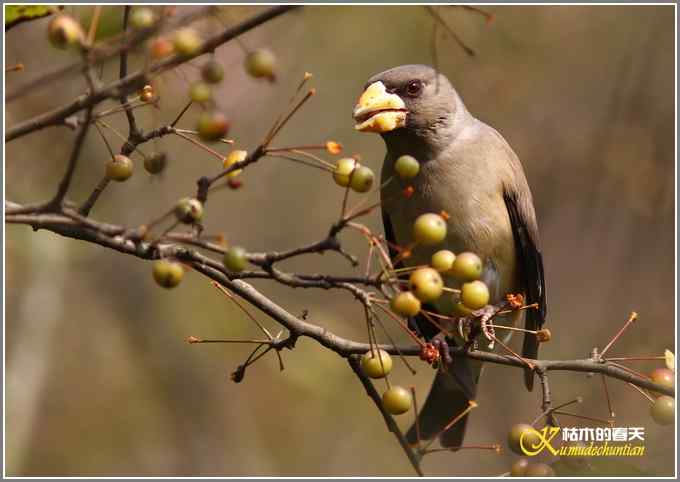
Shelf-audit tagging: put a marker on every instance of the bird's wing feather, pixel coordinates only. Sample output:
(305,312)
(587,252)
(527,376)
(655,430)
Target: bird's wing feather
(530,264)
(389,235)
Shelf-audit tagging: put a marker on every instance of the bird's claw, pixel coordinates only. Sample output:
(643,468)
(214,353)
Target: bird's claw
(464,328)
(485,314)
(442,346)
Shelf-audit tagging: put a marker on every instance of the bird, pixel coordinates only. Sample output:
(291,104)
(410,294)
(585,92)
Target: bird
(470,172)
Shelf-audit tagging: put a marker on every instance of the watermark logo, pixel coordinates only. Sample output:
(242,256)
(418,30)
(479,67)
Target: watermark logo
(584,441)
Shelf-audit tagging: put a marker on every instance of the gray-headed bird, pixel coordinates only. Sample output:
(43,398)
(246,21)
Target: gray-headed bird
(468,171)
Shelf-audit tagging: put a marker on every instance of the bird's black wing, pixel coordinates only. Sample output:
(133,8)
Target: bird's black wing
(530,264)
(389,237)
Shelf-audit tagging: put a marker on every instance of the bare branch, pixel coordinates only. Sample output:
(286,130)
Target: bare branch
(65,182)
(114,237)
(139,78)
(132,122)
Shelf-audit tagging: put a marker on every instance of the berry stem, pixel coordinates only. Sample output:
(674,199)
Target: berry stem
(494,447)
(199,144)
(181,113)
(300,161)
(610,408)
(120,136)
(403,325)
(132,104)
(471,404)
(583,417)
(391,340)
(642,392)
(108,146)
(195,133)
(278,126)
(631,319)
(92,32)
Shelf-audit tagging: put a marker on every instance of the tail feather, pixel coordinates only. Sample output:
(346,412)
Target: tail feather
(449,396)
(530,346)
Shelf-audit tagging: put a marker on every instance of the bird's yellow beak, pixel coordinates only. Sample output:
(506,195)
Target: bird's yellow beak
(379,111)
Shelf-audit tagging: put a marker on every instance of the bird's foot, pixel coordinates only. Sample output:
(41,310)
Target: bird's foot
(440,344)
(485,315)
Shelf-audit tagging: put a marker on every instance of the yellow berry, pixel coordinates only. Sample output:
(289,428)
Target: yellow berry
(442,260)
(397,400)
(405,303)
(343,170)
(167,274)
(475,295)
(429,229)
(426,284)
(467,267)
(233,158)
(376,364)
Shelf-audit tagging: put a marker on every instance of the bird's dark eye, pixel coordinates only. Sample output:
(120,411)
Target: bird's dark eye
(414,88)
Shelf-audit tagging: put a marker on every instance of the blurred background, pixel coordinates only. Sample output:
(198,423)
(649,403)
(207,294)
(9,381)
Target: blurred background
(99,378)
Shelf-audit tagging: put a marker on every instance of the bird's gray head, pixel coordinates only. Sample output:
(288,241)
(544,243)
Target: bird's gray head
(412,101)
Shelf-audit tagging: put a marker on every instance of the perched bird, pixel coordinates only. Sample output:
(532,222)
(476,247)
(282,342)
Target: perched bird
(469,171)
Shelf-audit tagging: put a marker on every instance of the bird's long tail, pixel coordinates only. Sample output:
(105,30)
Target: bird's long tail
(449,396)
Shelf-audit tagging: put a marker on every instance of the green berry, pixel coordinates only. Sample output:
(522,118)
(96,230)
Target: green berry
(539,470)
(407,167)
(212,125)
(200,92)
(528,435)
(187,41)
(65,32)
(429,229)
(167,274)
(119,168)
(475,295)
(664,377)
(261,63)
(663,410)
(426,284)
(235,259)
(442,260)
(189,210)
(376,364)
(343,170)
(397,400)
(212,72)
(142,17)
(156,162)
(467,267)
(519,467)
(362,179)
(405,303)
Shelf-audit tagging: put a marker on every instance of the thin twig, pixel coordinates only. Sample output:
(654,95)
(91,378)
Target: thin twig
(389,420)
(94,196)
(65,182)
(137,79)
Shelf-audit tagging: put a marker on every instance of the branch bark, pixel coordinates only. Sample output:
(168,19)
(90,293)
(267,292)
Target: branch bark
(114,237)
(138,79)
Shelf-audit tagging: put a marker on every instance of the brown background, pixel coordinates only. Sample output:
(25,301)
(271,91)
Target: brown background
(99,380)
